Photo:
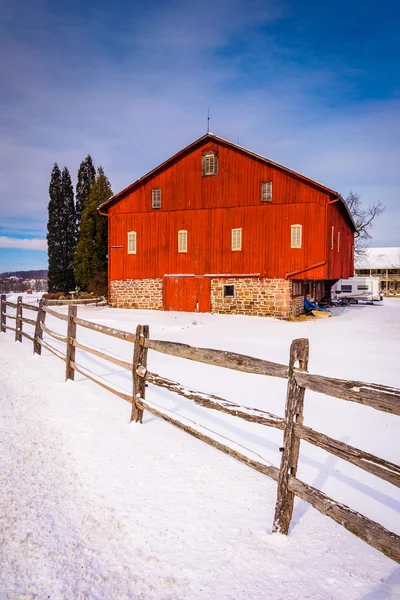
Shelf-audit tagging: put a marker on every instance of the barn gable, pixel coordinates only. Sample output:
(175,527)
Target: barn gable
(212,144)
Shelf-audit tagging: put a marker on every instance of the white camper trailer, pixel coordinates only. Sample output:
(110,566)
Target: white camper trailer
(350,291)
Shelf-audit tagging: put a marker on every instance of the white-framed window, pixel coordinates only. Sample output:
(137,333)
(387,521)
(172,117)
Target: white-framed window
(338,241)
(332,238)
(182,240)
(237,239)
(209,164)
(131,242)
(156,198)
(296,235)
(266,191)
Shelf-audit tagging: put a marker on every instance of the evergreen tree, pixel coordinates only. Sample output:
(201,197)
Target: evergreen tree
(61,231)
(69,231)
(91,252)
(53,230)
(86,178)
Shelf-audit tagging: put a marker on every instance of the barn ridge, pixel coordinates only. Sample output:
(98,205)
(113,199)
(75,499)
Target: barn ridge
(215,138)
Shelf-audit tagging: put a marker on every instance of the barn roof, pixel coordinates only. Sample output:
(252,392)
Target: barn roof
(215,138)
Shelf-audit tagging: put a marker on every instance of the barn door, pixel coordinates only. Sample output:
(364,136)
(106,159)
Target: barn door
(190,294)
(116,262)
(116,254)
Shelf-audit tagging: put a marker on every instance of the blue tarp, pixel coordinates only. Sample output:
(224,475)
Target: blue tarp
(311,306)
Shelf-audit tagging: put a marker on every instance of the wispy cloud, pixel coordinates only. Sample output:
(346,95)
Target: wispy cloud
(26,244)
(132,84)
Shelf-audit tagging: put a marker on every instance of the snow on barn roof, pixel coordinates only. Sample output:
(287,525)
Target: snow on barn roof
(380,258)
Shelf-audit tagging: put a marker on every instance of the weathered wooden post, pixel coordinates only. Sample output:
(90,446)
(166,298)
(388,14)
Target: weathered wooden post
(3,313)
(139,371)
(18,322)
(40,319)
(299,351)
(71,337)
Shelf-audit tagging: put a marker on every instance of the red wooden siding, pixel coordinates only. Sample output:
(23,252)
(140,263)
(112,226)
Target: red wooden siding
(209,207)
(238,183)
(191,294)
(341,255)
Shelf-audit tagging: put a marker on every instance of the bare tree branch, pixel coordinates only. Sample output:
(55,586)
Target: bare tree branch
(364,218)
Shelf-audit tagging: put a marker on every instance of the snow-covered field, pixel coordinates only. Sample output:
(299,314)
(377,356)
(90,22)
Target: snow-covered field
(93,507)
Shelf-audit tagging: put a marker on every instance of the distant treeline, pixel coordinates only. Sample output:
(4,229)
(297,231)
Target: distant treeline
(38,274)
(21,281)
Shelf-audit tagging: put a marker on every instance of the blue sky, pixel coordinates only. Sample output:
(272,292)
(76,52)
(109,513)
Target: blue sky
(313,85)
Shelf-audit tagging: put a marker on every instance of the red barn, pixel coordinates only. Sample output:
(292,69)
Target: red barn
(219,228)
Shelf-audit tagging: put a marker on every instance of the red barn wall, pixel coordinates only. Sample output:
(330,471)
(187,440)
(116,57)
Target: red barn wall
(209,207)
(340,244)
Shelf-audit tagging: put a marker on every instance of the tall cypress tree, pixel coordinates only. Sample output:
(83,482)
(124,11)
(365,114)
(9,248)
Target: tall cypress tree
(54,241)
(68,231)
(61,231)
(91,251)
(86,178)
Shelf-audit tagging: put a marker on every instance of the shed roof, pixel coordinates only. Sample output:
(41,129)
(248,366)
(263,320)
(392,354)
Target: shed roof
(212,137)
(380,258)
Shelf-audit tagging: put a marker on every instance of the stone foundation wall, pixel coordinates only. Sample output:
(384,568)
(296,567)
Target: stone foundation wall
(297,305)
(253,296)
(136,293)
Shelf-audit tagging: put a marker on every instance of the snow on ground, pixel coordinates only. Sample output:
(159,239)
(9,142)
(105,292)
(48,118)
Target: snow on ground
(93,507)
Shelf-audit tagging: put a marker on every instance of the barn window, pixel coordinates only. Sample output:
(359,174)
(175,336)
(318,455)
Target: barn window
(338,241)
(209,164)
(132,242)
(266,191)
(332,238)
(236,239)
(182,241)
(296,236)
(156,198)
(229,291)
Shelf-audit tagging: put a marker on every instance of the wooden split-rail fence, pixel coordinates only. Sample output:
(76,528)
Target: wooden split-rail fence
(377,396)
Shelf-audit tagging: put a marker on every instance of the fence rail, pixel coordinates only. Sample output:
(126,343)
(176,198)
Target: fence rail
(111,358)
(375,395)
(28,321)
(8,316)
(27,336)
(30,307)
(220,358)
(379,397)
(75,301)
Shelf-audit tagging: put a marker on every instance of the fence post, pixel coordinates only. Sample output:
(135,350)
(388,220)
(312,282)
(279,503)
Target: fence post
(40,318)
(139,371)
(299,351)
(71,335)
(3,311)
(18,322)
